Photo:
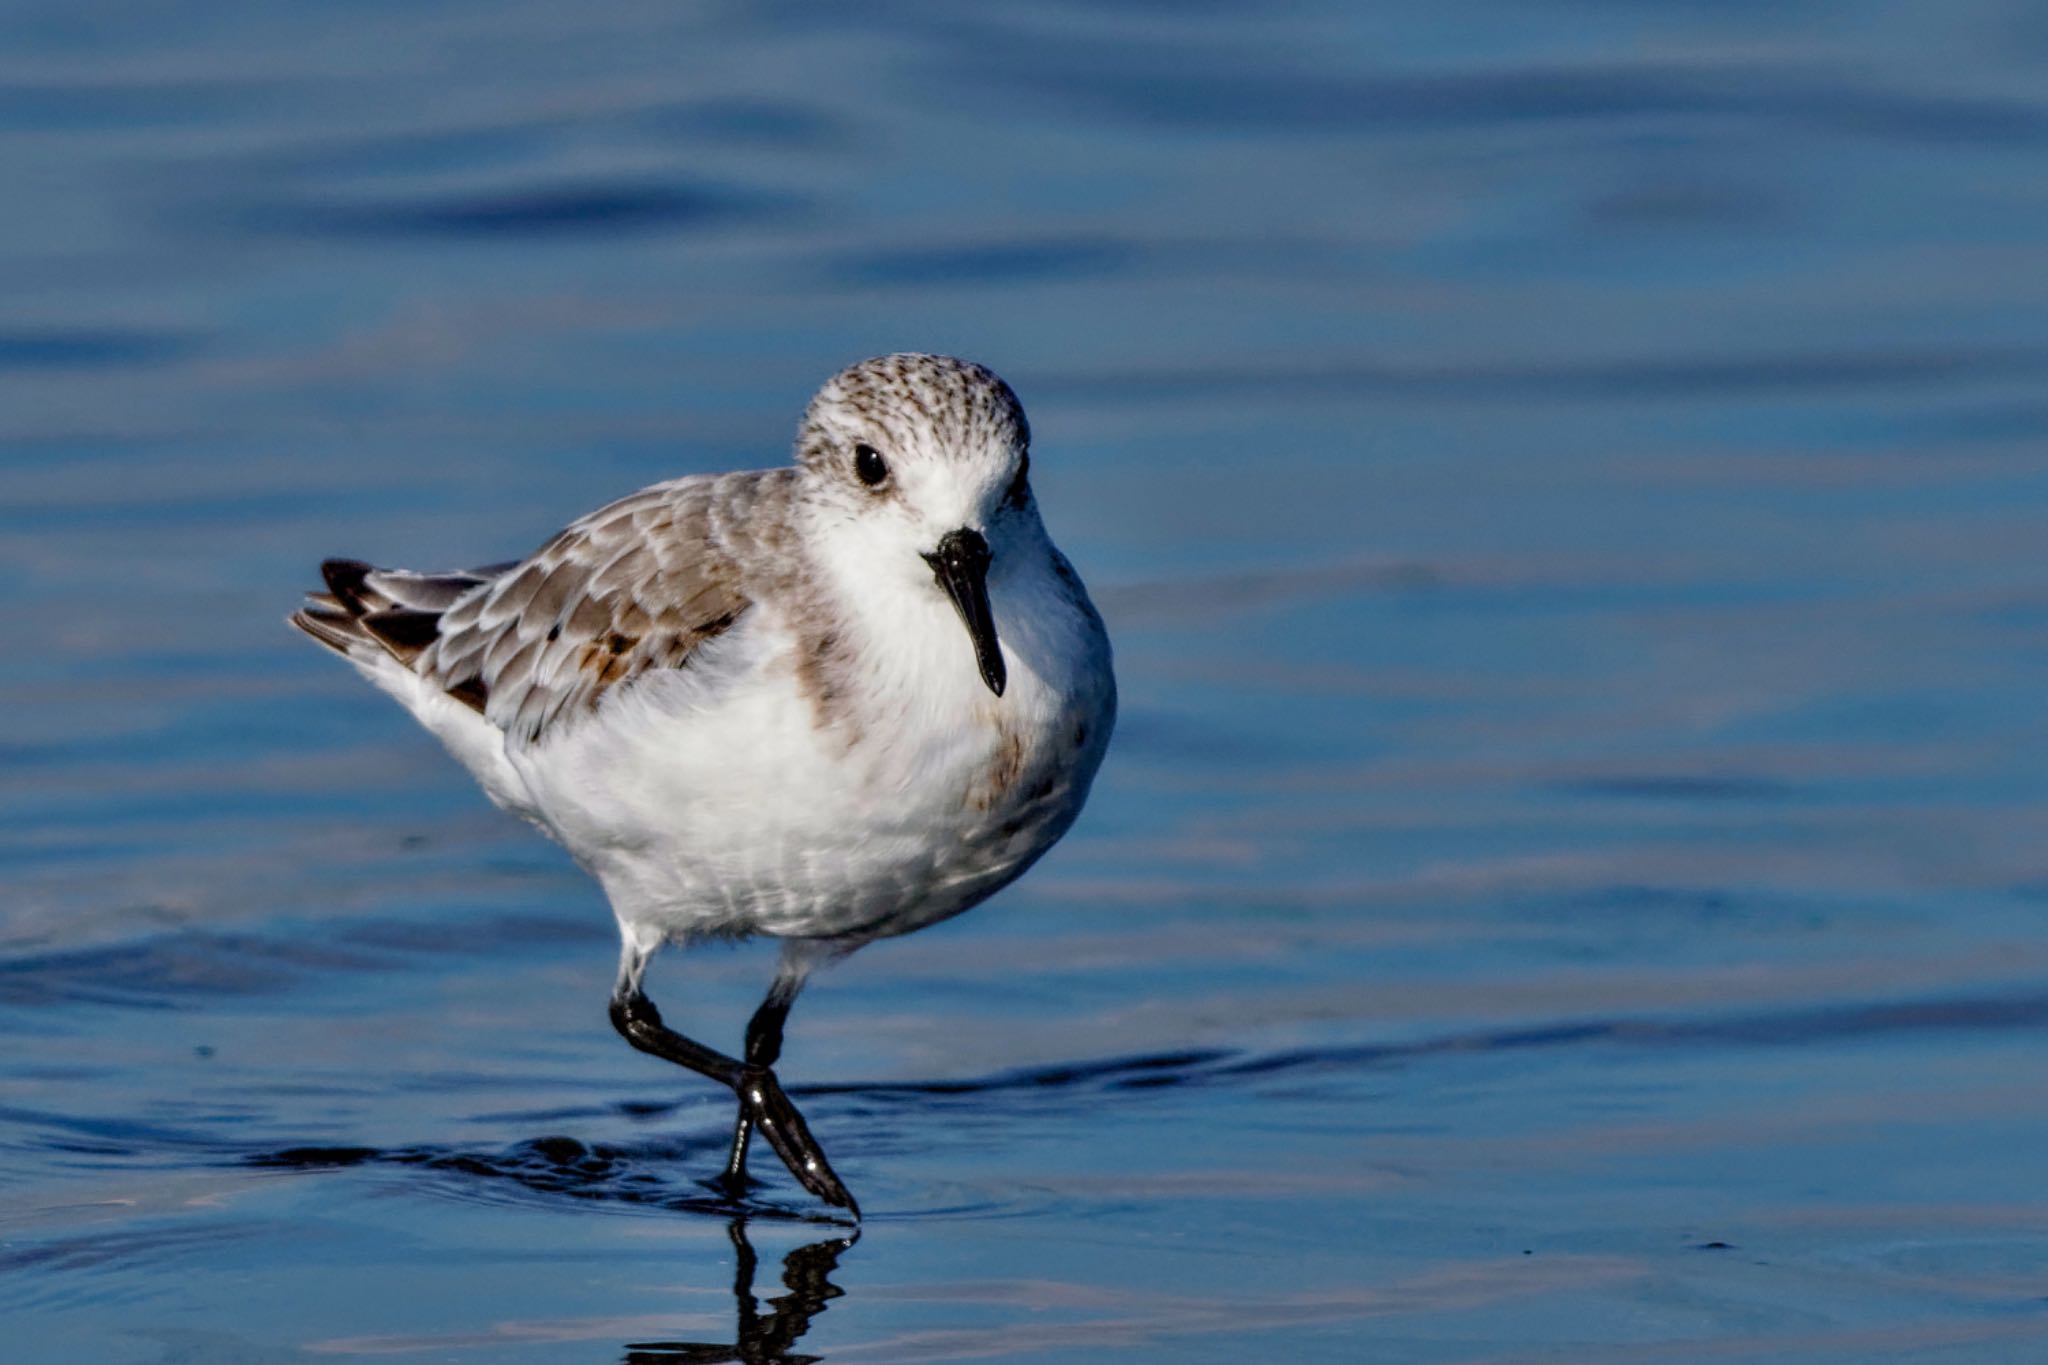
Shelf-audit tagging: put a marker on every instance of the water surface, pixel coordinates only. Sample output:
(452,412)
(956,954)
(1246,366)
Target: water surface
(1567,486)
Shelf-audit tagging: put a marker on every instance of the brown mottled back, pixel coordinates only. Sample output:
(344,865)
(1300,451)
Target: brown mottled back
(634,586)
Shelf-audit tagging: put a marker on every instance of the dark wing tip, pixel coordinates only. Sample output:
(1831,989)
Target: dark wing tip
(404,633)
(347,580)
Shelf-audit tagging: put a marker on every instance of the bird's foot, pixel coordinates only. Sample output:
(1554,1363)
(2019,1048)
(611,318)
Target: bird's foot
(763,1106)
(767,1109)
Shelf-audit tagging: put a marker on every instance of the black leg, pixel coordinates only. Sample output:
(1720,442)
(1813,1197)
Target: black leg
(764,1030)
(764,1046)
(762,1103)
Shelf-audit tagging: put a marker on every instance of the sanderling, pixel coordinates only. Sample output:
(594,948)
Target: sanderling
(744,704)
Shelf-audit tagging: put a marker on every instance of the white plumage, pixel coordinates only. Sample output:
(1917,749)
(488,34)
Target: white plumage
(809,702)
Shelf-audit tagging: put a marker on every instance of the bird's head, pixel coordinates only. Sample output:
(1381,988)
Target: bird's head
(926,460)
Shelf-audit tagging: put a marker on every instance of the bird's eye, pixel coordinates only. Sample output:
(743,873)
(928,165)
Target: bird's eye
(868,464)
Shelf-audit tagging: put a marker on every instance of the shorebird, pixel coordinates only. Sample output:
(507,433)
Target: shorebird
(831,703)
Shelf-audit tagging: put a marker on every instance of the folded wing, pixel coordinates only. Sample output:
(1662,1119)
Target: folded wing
(635,586)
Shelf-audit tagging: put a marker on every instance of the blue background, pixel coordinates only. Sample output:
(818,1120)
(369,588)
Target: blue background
(1567,485)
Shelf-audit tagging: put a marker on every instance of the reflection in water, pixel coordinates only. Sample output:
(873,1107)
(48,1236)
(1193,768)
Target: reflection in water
(761,1338)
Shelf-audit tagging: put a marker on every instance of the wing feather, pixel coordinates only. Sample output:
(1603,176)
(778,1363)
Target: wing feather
(635,586)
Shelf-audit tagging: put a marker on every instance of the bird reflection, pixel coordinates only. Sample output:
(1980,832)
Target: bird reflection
(762,1338)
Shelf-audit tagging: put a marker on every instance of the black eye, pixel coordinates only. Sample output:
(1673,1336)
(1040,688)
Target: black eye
(867,462)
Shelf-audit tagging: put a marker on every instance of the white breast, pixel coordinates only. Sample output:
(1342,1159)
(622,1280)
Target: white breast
(719,799)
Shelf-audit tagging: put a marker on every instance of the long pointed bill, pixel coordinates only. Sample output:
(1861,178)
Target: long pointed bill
(961,566)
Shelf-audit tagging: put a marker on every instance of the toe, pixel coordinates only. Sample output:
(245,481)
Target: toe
(786,1131)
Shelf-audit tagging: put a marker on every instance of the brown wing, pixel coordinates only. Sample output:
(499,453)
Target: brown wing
(634,586)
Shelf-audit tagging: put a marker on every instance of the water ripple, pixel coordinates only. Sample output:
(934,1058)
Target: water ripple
(90,348)
(640,1175)
(2024,1011)
(543,210)
(1679,376)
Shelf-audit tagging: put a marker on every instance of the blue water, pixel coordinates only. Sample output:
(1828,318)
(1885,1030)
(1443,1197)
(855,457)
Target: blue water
(1567,485)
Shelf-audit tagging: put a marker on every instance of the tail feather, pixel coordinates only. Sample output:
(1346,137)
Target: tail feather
(337,630)
(348,581)
(392,611)
(383,621)
(403,631)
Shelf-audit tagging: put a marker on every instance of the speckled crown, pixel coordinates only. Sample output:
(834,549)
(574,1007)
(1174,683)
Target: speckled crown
(963,405)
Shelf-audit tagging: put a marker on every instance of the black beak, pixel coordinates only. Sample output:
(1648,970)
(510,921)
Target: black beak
(961,566)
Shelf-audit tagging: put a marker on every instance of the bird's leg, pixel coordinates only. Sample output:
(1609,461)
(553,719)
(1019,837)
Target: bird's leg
(762,1103)
(764,1045)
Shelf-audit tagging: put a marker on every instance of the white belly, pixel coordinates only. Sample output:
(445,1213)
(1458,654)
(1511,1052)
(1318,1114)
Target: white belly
(710,801)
